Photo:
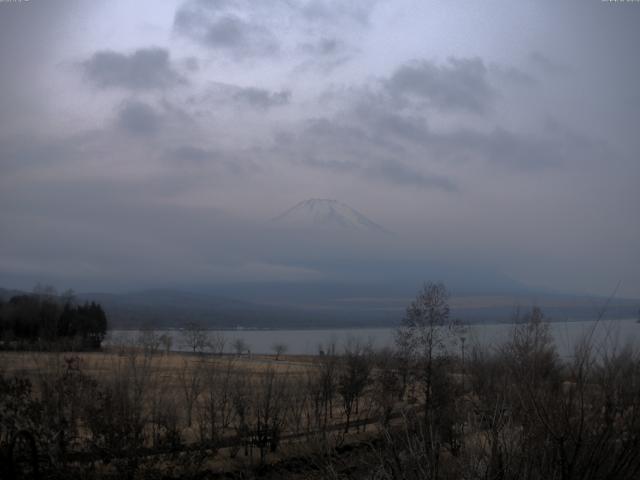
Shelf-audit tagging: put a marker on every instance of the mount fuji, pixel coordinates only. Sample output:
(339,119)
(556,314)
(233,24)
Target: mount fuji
(327,214)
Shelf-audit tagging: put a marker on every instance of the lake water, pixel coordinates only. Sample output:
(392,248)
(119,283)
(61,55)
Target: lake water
(605,334)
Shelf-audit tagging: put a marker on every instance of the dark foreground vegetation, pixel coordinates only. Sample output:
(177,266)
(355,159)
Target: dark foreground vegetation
(435,407)
(44,319)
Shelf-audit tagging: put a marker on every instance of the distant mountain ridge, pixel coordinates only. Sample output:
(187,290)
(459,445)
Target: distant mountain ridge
(335,307)
(327,213)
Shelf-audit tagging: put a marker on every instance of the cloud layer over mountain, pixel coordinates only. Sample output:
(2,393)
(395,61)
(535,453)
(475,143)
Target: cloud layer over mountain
(149,143)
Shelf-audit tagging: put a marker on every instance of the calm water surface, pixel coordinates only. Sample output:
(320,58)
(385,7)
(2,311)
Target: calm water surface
(606,333)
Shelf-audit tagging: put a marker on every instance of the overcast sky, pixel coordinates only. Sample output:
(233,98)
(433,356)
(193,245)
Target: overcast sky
(145,140)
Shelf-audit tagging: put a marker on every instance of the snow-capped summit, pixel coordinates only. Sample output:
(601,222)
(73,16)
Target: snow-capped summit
(326,213)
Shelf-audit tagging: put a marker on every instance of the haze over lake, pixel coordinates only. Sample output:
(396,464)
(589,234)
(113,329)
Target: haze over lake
(609,333)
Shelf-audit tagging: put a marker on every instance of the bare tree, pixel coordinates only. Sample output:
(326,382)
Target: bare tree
(191,383)
(240,346)
(117,414)
(149,340)
(424,334)
(166,341)
(388,384)
(328,362)
(68,297)
(268,406)
(353,378)
(313,408)
(216,409)
(217,342)
(195,337)
(298,403)
(241,394)
(279,349)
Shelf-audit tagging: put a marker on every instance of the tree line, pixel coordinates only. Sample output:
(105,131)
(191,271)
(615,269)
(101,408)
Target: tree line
(44,319)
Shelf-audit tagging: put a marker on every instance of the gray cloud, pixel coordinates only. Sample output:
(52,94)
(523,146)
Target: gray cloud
(384,170)
(375,137)
(331,11)
(242,28)
(239,35)
(546,64)
(191,64)
(514,75)
(348,148)
(147,68)
(324,47)
(213,160)
(390,126)
(261,98)
(22,153)
(501,148)
(375,121)
(395,172)
(212,27)
(554,147)
(459,84)
(217,95)
(200,165)
(191,154)
(138,118)
(325,54)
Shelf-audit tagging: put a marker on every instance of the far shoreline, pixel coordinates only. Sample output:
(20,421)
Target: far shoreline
(353,327)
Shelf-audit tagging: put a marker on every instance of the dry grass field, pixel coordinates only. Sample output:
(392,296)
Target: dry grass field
(223,412)
(33,364)
(513,412)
